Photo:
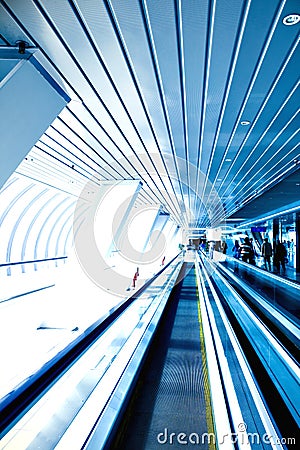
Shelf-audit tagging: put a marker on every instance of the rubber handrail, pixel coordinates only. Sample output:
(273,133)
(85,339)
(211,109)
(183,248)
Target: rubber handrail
(33,261)
(16,403)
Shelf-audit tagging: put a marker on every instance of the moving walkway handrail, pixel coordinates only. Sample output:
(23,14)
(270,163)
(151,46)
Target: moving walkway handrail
(16,403)
(277,315)
(109,417)
(33,261)
(284,372)
(262,272)
(263,412)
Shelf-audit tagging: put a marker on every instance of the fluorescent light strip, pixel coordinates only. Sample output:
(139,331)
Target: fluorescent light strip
(210,31)
(115,89)
(183,101)
(259,190)
(264,175)
(147,114)
(51,167)
(92,136)
(262,155)
(163,98)
(264,187)
(243,201)
(62,152)
(224,104)
(253,80)
(74,149)
(266,130)
(271,216)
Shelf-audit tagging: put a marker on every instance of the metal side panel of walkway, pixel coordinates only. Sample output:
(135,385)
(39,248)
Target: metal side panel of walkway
(171,403)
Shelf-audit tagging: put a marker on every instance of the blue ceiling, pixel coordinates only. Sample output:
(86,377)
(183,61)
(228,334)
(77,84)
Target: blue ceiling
(160,91)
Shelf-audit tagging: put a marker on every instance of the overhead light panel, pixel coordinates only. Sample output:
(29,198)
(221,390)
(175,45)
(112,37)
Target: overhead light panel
(291,19)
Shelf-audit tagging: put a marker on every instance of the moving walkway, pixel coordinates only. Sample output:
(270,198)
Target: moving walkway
(186,361)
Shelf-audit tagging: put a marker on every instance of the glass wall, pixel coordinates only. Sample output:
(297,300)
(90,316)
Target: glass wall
(283,229)
(288,237)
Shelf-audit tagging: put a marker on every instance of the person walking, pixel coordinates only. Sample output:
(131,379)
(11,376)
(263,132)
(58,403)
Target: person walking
(266,251)
(291,250)
(280,254)
(246,251)
(224,247)
(254,254)
(236,250)
(135,277)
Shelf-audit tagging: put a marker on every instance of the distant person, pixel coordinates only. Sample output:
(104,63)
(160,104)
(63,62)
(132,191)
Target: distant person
(291,250)
(236,249)
(280,254)
(246,251)
(266,251)
(203,246)
(217,246)
(254,254)
(212,245)
(135,277)
(224,247)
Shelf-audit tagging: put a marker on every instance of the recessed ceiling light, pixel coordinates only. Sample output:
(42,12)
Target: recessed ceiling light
(228,160)
(291,19)
(245,122)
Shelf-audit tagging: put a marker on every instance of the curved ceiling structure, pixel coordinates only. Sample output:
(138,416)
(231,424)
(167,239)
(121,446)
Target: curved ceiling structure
(35,221)
(197,99)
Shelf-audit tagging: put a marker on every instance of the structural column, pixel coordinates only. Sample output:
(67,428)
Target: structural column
(276,235)
(297,249)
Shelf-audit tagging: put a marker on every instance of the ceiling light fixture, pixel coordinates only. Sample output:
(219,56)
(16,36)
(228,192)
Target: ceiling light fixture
(228,160)
(245,122)
(291,19)
(22,45)
(271,216)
